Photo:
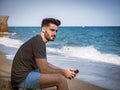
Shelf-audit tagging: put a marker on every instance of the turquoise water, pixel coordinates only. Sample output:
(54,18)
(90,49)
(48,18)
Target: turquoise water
(104,39)
(95,51)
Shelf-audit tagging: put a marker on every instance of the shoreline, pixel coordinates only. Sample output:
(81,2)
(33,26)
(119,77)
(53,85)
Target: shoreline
(75,84)
(5,66)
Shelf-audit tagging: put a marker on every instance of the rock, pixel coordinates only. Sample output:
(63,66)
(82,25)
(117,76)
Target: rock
(4,23)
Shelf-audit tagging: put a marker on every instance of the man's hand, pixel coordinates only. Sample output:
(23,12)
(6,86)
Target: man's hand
(69,73)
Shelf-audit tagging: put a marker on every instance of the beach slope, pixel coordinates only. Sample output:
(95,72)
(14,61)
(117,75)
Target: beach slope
(5,69)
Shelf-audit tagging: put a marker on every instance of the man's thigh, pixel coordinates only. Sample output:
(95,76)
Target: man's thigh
(32,81)
(50,80)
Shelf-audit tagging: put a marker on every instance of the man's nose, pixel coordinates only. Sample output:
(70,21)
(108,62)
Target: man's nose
(54,32)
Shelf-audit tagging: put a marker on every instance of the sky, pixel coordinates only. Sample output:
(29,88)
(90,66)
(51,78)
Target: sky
(70,12)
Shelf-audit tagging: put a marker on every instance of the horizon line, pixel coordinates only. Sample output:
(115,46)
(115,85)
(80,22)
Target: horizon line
(73,26)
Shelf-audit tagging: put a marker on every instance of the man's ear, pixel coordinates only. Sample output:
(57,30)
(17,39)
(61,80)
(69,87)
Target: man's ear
(43,29)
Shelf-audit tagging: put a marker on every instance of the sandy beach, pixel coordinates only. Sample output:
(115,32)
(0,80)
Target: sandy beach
(5,66)
(5,69)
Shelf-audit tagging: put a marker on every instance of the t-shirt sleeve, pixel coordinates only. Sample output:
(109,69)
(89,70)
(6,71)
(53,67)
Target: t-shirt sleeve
(39,49)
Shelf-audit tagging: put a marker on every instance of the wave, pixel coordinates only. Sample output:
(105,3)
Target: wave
(10,42)
(10,46)
(89,53)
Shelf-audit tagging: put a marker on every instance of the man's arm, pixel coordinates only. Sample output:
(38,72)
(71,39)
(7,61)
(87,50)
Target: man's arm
(53,66)
(46,67)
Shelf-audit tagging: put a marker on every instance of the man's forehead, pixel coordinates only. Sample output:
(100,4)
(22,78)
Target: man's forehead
(53,25)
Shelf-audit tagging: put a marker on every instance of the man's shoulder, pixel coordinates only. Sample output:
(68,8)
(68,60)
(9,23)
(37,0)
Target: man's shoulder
(34,38)
(37,37)
(34,41)
(37,40)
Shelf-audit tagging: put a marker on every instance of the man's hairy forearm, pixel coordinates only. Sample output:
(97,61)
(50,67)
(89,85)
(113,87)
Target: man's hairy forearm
(53,66)
(53,69)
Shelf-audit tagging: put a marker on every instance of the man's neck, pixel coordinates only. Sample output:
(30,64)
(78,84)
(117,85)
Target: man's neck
(44,39)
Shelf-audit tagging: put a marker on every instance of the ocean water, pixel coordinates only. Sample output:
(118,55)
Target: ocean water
(95,51)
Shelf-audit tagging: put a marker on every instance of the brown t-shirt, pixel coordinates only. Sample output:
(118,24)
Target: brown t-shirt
(24,60)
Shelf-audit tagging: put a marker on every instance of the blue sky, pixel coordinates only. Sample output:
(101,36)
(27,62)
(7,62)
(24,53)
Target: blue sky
(70,12)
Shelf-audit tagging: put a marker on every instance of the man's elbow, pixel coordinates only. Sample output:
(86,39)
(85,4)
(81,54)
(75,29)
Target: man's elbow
(42,65)
(44,70)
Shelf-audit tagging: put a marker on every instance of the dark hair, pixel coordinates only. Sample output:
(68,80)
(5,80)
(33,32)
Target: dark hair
(47,21)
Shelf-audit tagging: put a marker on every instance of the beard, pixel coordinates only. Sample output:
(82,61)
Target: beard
(48,37)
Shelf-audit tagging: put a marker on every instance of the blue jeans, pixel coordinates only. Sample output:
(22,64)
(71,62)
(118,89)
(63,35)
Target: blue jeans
(32,80)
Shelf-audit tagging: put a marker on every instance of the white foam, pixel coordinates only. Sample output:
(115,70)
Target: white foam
(10,42)
(89,53)
(10,57)
(9,46)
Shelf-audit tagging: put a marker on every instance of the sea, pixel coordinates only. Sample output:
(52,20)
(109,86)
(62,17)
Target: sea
(93,50)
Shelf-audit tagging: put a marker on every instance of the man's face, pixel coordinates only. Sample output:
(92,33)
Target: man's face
(50,32)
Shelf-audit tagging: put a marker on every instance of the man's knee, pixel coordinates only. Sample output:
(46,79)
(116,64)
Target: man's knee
(61,78)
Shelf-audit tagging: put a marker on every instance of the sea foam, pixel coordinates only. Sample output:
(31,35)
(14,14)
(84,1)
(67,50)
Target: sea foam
(10,42)
(10,46)
(88,52)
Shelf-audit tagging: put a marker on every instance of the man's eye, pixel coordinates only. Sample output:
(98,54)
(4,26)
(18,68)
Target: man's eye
(53,30)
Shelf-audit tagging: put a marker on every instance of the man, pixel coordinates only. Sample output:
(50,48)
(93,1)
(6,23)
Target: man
(30,68)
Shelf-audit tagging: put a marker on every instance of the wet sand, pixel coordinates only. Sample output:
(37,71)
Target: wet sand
(5,71)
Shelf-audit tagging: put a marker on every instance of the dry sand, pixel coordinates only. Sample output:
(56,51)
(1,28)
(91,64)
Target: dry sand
(5,69)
